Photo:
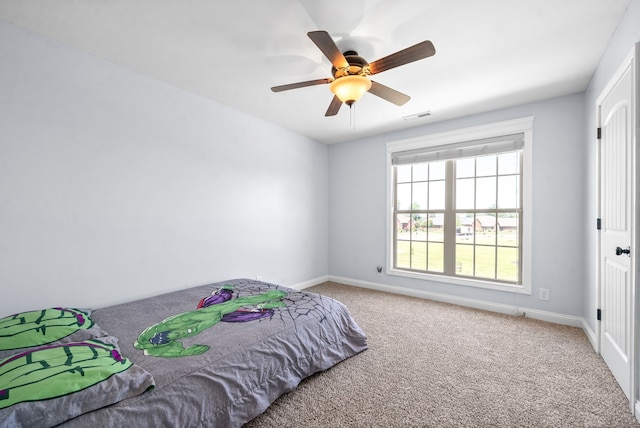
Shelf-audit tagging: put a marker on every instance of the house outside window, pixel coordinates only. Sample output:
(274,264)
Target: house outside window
(459,206)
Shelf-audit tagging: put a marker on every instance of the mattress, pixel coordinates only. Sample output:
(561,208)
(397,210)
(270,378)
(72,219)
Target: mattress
(216,355)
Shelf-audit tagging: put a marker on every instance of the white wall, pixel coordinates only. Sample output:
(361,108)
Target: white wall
(115,186)
(357,198)
(622,41)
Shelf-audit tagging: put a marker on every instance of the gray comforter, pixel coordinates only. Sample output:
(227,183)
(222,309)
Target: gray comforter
(247,364)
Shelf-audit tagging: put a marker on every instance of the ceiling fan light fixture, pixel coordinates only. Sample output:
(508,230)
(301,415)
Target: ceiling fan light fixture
(350,89)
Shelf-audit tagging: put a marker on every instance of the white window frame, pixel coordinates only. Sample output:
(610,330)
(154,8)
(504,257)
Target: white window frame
(522,125)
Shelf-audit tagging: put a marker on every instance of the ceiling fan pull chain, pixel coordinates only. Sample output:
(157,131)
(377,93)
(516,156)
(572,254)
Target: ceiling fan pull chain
(352,116)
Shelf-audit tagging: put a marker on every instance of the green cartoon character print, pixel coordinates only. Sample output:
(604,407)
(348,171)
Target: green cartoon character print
(163,339)
(56,370)
(41,327)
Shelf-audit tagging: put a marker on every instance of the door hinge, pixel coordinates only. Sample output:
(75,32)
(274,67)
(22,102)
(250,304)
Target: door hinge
(599,315)
(598,223)
(599,133)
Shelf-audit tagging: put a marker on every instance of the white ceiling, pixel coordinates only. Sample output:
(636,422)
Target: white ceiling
(489,53)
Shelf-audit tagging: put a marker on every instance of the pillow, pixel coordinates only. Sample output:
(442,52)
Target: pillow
(54,383)
(45,326)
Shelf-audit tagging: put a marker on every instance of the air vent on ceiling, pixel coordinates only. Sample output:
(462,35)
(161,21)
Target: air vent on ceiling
(417,115)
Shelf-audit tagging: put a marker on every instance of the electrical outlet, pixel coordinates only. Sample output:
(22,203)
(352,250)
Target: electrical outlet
(259,278)
(543,294)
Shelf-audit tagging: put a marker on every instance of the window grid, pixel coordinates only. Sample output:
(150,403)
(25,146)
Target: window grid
(417,243)
(434,240)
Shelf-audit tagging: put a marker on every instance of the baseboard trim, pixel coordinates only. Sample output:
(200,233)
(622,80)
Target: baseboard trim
(638,410)
(472,303)
(310,283)
(591,335)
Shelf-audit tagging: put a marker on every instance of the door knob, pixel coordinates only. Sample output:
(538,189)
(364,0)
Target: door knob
(620,251)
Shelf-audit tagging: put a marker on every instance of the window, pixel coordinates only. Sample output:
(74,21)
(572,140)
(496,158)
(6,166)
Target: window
(459,205)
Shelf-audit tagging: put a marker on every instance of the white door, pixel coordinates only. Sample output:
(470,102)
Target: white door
(616,211)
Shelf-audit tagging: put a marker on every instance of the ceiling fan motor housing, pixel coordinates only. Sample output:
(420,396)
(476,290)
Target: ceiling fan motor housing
(357,65)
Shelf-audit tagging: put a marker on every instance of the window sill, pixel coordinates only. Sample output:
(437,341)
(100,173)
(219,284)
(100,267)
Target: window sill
(467,282)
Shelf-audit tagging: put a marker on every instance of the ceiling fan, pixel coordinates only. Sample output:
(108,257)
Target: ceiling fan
(350,72)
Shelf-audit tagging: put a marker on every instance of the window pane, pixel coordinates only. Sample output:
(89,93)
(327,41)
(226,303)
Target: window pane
(487,233)
(508,231)
(436,220)
(464,194)
(404,173)
(419,233)
(403,196)
(421,172)
(507,264)
(419,255)
(508,192)
(403,226)
(436,257)
(485,262)
(420,200)
(464,228)
(509,163)
(486,165)
(403,254)
(436,170)
(464,260)
(465,167)
(486,193)
(422,222)
(436,231)
(436,195)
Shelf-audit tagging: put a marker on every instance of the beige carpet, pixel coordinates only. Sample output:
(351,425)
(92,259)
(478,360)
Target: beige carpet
(432,364)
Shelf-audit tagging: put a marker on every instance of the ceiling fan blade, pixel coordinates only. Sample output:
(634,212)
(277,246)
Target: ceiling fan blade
(334,107)
(413,53)
(301,84)
(325,43)
(391,95)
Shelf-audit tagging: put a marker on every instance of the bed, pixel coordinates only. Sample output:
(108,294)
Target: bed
(216,355)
